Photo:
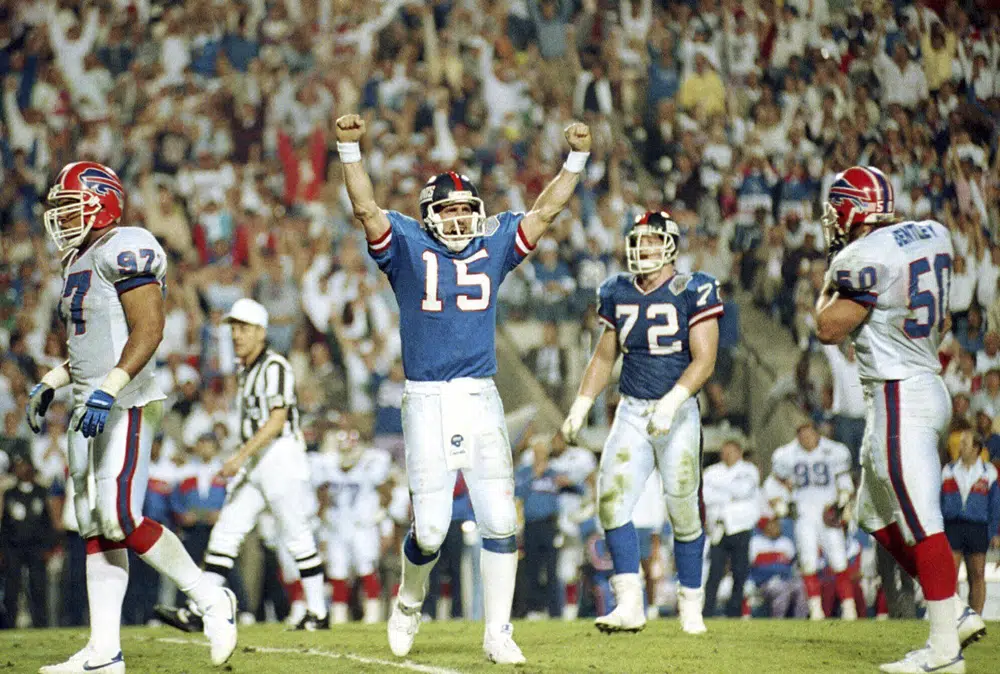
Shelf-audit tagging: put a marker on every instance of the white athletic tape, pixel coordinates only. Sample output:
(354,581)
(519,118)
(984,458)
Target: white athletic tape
(319,653)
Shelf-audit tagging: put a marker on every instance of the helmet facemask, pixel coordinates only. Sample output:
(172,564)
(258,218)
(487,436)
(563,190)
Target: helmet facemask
(70,205)
(648,249)
(457,231)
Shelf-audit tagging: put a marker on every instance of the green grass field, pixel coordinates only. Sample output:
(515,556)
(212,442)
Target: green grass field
(755,647)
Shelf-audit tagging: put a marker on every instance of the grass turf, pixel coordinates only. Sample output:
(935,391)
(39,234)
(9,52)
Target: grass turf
(730,647)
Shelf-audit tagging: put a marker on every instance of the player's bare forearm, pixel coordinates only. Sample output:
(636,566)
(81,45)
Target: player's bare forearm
(362,195)
(548,205)
(265,434)
(704,344)
(837,318)
(144,313)
(598,372)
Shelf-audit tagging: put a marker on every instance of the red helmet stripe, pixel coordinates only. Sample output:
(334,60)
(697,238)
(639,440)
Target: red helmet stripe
(644,220)
(456,179)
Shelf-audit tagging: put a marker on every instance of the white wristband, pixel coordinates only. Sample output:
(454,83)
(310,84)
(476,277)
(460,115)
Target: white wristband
(56,377)
(576,162)
(116,380)
(350,153)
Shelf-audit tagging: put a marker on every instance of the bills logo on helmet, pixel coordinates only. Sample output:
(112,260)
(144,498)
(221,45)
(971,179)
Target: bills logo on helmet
(100,182)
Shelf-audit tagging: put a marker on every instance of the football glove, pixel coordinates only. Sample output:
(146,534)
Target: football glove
(661,415)
(832,516)
(91,418)
(577,418)
(39,399)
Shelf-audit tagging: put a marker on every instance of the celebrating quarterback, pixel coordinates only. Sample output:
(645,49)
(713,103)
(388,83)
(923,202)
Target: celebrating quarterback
(445,271)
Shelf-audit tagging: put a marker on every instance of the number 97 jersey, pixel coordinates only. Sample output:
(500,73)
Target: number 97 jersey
(654,327)
(902,273)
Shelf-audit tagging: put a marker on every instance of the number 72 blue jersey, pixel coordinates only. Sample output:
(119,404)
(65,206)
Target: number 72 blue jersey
(653,327)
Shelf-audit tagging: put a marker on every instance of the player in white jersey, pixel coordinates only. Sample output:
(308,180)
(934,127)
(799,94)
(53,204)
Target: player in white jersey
(349,522)
(112,305)
(888,289)
(814,473)
(269,471)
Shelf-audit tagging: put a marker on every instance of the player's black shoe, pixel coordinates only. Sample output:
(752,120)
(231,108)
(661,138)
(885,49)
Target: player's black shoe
(182,618)
(310,623)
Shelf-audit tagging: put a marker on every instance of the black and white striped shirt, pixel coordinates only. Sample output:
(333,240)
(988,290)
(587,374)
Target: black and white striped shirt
(267,384)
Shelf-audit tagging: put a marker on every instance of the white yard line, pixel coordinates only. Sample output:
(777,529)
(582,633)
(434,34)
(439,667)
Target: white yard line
(319,653)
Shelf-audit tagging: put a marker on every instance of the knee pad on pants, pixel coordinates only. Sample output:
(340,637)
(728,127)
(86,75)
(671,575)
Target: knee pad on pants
(430,534)
(223,543)
(302,545)
(685,515)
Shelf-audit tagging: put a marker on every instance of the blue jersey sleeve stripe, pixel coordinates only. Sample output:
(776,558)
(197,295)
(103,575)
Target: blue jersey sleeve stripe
(521,243)
(382,243)
(610,323)
(865,298)
(705,314)
(134,282)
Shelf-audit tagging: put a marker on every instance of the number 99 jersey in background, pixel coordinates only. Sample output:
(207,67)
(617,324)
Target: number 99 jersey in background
(447,300)
(653,328)
(902,273)
(96,330)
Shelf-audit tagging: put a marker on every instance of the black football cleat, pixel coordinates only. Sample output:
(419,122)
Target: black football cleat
(182,618)
(310,623)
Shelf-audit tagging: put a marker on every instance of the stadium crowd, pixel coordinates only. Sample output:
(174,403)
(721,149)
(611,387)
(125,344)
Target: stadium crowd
(218,117)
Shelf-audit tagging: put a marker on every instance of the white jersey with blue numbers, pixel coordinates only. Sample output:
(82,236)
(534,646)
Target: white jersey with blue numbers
(815,475)
(447,300)
(902,273)
(653,327)
(121,260)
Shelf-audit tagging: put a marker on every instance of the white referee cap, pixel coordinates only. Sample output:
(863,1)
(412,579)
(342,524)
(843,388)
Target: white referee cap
(246,310)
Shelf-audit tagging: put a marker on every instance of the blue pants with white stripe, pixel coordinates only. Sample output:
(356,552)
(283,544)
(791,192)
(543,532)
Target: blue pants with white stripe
(901,472)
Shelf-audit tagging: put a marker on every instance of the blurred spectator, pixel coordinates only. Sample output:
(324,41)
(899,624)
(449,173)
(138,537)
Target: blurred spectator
(26,535)
(849,408)
(538,486)
(970,504)
(988,357)
(553,283)
(550,362)
(732,507)
(772,556)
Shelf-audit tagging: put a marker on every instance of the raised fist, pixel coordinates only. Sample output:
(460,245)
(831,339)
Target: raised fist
(350,128)
(577,135)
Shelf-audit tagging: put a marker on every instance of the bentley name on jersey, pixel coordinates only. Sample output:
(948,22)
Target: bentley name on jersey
(123,259)
(902,273)
(653,327)
(447,300)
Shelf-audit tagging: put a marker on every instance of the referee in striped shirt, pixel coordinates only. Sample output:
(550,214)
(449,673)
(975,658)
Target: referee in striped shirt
(269,470)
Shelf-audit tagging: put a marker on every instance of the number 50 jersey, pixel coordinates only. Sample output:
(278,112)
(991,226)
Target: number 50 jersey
(96,330)
(654,327)
(902,273)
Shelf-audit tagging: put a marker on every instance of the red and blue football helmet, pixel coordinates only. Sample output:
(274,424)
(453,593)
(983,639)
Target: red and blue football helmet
(861,195)
(87,189)
(442,191)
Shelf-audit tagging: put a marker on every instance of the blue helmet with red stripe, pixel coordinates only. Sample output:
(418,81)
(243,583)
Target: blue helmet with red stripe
(861,195)
(651,242)
(456,229)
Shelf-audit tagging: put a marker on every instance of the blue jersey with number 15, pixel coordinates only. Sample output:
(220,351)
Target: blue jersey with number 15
(447,300)
(653,328)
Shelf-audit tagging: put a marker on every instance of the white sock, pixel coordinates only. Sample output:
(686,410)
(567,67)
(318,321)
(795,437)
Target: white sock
(499,571)
(944,632)
(413,586)
(107,580)
(312,588)
(168,556)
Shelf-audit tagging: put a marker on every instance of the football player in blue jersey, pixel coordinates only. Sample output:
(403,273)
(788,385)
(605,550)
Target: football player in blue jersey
(445,271)
(666,326)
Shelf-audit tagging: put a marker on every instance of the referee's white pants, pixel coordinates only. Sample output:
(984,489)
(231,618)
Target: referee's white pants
(468,411)
(280,483)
